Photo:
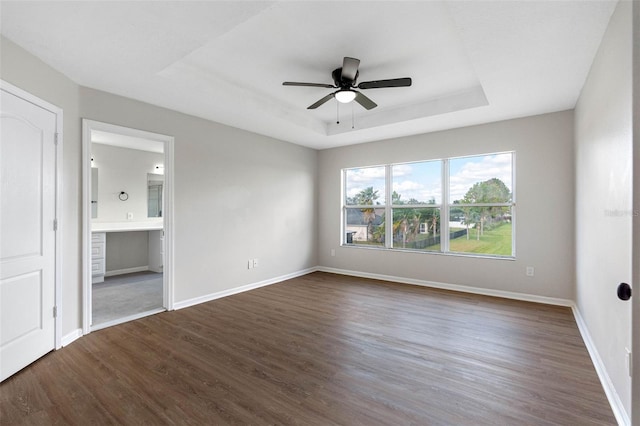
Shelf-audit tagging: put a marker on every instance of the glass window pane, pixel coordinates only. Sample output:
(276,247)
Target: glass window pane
(417,183)
(364,226)
(416,229)
(481,179)
(365,186)
(481,230)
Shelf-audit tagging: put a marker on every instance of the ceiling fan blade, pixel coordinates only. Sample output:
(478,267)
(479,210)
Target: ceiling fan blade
(394,82)
(350,68)
(364,101)
(293,83)
(321,101)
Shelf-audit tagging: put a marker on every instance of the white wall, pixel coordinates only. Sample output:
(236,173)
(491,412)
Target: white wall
(123,169)
(545,208)
(604,197)
(238,196)
(27,72)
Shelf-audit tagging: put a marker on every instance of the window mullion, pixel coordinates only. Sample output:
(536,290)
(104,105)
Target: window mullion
(444,211)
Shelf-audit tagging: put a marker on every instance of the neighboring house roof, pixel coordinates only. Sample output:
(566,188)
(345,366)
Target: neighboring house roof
(356,217)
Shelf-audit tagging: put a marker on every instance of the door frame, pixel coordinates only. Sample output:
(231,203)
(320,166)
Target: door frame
(58,112)
(635,251)
(168,141)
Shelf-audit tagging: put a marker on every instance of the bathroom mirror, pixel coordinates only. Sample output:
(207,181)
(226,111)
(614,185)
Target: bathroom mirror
(155,184)
(94,192)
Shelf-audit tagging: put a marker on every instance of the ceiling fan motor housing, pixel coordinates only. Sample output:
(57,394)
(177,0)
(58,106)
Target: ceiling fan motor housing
(343,83)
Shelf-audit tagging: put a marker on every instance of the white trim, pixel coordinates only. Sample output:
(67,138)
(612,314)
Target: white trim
(87,127)
(86,227)
(168,223)
(67,339)
(10,88)
(614,399)
(241,289)
(126,319)
(445,205)
(455,287)
(126,271)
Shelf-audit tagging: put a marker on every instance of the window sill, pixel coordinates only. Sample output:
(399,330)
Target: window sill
(437,253)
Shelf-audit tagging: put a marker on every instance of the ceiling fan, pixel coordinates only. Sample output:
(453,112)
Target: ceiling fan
(345,81)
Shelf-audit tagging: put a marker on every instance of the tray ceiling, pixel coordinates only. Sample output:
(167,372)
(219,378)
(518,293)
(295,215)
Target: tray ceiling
(471,61)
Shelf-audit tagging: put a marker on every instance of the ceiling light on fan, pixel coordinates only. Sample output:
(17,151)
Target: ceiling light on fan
(345,96)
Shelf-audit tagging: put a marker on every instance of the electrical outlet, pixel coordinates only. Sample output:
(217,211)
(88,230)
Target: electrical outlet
(250,264)
(529,271)
(255,263)
(333,252)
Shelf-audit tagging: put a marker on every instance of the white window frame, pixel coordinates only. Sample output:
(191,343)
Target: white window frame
(444,206)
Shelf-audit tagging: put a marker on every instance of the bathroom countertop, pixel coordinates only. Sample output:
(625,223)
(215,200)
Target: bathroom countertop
(126,226)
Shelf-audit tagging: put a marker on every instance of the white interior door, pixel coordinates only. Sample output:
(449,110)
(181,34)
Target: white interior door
(27,236)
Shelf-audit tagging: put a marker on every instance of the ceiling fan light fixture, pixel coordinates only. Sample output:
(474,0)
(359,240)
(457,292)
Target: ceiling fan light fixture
(345,96)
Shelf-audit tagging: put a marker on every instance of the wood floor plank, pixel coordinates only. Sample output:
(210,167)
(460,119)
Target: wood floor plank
(322,349)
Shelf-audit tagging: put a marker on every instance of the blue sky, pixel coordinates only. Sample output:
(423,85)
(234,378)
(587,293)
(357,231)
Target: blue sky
(421,181)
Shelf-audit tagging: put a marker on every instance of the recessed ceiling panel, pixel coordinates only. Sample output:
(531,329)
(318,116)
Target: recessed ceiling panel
(300,41)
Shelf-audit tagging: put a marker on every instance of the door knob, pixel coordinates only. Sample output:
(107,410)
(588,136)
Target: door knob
(624,291)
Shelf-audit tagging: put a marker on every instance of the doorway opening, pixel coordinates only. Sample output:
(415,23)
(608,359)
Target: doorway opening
(127,233)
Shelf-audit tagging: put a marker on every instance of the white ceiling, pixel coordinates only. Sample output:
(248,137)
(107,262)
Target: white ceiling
(471,61)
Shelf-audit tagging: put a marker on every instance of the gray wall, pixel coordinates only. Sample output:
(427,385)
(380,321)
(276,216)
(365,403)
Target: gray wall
(238,196)
(126,250)
(545,209)
(604,184)
(25,71)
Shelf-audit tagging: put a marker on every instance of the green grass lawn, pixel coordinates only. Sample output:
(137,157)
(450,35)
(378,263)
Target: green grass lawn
(496,241)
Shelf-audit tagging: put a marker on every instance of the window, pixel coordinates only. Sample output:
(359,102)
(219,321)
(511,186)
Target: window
(365,206)
(459,205)
(481,204)
(416,203)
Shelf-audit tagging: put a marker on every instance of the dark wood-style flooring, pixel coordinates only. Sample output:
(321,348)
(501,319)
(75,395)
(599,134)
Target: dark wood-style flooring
(322,349)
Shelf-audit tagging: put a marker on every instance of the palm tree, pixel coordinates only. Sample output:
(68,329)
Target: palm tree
(366,197)
(406,223)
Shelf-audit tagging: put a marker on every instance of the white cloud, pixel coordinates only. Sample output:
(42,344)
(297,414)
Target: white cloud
(480,169)
(361,179)
(366,175)
(402,170)
(406,185)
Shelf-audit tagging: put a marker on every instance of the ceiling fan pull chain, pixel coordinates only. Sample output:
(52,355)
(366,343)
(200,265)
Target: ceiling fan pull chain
(337,112)
(353,119)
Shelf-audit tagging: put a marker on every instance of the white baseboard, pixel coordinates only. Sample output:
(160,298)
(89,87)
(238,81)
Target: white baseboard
(241,289)
(455,287)
(71,337)
(126,271)
(614,399)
